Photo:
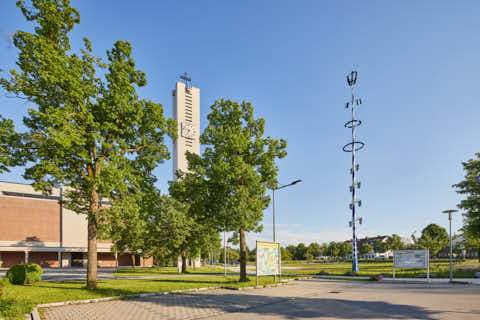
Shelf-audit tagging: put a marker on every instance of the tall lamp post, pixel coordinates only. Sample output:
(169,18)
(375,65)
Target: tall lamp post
(277,188)
(449,212)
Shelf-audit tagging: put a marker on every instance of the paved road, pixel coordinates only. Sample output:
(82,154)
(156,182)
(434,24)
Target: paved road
(306,299)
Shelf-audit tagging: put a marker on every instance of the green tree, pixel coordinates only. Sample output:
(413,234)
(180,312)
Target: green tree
(315,249)
(87,131)
(470,187)
(365,248)
(300,252)
(286,254)
(434,238)
(235,169)
(291,250)
(379,246)
(346,249)
(394,243)
(471,244)
(334,249)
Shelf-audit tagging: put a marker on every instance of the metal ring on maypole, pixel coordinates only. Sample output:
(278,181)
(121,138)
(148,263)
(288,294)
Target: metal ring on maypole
(358,145)
(353,123)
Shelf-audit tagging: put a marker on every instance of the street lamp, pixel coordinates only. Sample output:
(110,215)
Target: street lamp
(450,222)
(277,188)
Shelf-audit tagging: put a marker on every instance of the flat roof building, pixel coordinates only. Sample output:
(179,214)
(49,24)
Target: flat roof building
(35,228)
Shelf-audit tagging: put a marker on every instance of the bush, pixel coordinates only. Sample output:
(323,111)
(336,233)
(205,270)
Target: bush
(350,273)
(14,308)
(24,273)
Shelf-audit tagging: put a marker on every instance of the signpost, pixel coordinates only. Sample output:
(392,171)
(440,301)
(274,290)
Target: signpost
(268,260)
(414,259)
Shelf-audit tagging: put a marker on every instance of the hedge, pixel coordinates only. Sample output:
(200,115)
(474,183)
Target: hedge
(24,273)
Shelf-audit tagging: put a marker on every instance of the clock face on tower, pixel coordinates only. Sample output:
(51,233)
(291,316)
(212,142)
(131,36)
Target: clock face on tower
(188,130)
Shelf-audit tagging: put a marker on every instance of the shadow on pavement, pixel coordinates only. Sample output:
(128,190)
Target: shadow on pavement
(253,306)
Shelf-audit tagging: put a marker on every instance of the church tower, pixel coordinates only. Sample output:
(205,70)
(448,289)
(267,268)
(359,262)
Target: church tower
(186,110)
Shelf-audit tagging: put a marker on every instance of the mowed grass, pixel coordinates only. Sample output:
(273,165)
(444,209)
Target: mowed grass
(154,271)
(47,292)
(441,269)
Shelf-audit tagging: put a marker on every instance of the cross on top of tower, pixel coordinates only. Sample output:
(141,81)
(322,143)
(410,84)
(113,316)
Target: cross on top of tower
(186,79)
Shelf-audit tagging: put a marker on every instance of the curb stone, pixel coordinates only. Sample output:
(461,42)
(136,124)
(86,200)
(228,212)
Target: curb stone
(36,316)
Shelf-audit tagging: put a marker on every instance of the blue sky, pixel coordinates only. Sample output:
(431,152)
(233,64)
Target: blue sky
(418,74)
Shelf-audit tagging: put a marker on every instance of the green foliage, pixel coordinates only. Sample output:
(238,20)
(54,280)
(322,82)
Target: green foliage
(24,273)
(11,147)
(90,133)
(379,246)
(394,243)
(300,252)
(333,249)
(434,238)
(233,256)
(365,248)
(226,186)
(470,187)
(346,249)
(14,309)
(286,254)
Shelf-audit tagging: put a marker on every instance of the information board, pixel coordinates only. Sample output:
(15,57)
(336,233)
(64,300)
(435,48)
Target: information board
(268,258)
(417,259)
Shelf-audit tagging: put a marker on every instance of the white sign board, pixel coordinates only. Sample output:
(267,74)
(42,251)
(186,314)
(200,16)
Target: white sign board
(417,259)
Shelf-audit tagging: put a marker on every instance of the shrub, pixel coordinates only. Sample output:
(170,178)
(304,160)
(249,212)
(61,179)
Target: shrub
(14,308)
(24,273)
(350,273)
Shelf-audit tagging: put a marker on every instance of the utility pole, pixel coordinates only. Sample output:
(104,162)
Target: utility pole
(353,147)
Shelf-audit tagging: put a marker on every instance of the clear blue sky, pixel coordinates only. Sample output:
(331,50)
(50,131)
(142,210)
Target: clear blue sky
(419,71)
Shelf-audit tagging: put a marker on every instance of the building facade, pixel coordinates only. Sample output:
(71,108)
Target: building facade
(35,228)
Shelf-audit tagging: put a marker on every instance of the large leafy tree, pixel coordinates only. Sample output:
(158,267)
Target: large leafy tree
(433,238)
(235,170)
(86,130)
(470,187)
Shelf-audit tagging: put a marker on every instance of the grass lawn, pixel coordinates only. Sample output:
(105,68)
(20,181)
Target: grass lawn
(440,268)
(23,298)
(154,271)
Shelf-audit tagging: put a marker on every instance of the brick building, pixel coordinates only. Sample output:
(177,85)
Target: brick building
(35,228)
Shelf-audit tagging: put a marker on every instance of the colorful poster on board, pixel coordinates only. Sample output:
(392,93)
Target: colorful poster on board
(268,258)
(417,259)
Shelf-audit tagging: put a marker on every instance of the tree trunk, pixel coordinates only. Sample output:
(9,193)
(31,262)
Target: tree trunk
(243,256)
(92,244)
(478,252)
(184,261)
(132,256)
